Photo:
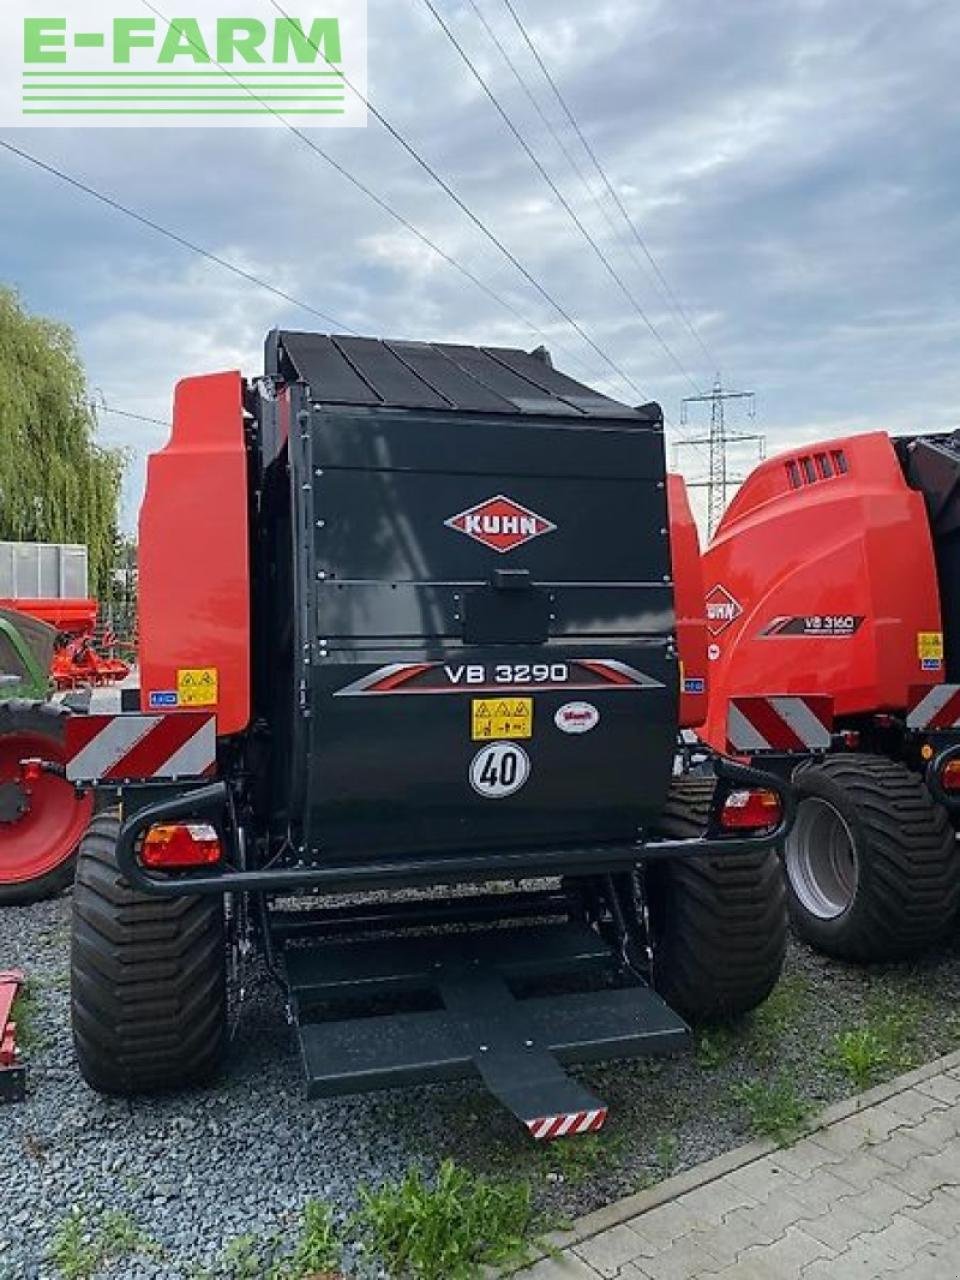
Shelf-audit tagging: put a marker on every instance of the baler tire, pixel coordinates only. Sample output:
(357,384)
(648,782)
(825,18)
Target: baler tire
(41,724)
(719,923)
(905,874)
(148,978)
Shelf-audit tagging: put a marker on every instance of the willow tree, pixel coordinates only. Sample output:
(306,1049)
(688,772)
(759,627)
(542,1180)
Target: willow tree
(56,483)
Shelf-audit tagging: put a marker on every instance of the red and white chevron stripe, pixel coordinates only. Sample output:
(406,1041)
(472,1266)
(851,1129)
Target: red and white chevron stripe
(127,748)
(546,1128)
(779,724)
(937,708)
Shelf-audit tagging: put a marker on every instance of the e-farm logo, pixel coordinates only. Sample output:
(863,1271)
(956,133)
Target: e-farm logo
(223,63)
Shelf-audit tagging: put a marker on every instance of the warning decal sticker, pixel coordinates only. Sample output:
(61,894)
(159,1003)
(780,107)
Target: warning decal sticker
(930,646)
(198,687)
(509,718)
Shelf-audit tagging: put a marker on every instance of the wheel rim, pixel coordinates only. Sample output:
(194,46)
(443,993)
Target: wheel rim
(821,860)
(54,817)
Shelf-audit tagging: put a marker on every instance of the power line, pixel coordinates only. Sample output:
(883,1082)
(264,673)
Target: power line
(144,221)
(474,218)
(568,208)
(101,406)
(191,246)
(383,204)
(555,134)
(634,229)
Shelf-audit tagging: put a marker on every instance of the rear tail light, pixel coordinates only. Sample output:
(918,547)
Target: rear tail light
(950,776)
(31,771)
(192,845)
(751,811)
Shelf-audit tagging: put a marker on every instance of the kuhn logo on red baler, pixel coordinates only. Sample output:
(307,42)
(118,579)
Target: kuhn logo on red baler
(501,524)
(722,610)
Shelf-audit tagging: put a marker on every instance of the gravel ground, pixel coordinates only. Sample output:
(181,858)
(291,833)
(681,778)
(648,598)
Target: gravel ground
(196,1171)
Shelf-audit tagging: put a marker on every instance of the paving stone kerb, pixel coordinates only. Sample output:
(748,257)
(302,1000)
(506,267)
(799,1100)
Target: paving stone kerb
(914,1117)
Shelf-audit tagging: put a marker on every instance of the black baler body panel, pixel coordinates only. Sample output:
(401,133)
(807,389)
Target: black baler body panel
(932,465)
(402,622)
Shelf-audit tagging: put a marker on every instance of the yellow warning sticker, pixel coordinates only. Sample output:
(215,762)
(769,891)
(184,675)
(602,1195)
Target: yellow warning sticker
(930,645)
(502,718)
(198,687)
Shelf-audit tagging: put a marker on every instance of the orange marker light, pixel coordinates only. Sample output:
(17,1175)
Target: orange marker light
(751,811)
(174,847)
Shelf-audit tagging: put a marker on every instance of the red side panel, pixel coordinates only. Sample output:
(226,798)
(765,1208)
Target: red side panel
(821,578)
(691,619)
(194,560)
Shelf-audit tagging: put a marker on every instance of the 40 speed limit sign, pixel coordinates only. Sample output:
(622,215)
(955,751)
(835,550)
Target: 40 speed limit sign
(499,770)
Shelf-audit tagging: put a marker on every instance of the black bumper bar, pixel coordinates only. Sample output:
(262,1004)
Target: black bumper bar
(211,802)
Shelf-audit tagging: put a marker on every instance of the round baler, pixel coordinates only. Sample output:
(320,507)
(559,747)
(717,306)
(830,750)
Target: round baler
(419,632)
(835,575)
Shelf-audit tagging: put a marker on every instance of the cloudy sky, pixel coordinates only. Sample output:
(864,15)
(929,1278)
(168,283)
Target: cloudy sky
(793,166)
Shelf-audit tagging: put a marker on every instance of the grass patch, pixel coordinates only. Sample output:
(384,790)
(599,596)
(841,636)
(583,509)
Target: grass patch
(666,1153)
(714,1048)
(888,1041)
(775,1110)
(318,1250)
(24,1014)
(782,1011)
(899,1019)
(316,1254)
(245,1258)
(80,1249)
(574,1160)
(862,1056)
(447,1230)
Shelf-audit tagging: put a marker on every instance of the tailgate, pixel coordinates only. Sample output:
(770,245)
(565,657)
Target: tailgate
(492,657)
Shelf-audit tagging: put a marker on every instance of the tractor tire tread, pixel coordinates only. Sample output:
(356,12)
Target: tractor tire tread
(148,978)
(910,869)
(720,922)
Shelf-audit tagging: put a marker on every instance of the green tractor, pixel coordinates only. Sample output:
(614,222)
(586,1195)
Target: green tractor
(42,817)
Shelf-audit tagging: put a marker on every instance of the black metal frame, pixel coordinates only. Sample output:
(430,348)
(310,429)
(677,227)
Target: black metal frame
(484,1003)
(397,916)
(213,802)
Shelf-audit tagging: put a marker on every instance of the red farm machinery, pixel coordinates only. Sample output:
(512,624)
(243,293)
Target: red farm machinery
(46,647)
(418,635)
(835,576)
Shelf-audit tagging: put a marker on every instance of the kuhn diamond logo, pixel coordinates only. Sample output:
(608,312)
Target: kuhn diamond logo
(501,524)
(722,610)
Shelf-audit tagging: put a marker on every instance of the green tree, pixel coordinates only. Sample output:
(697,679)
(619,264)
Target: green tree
(56,483)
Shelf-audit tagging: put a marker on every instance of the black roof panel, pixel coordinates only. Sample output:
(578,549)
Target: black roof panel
(432,375)
(435,366)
